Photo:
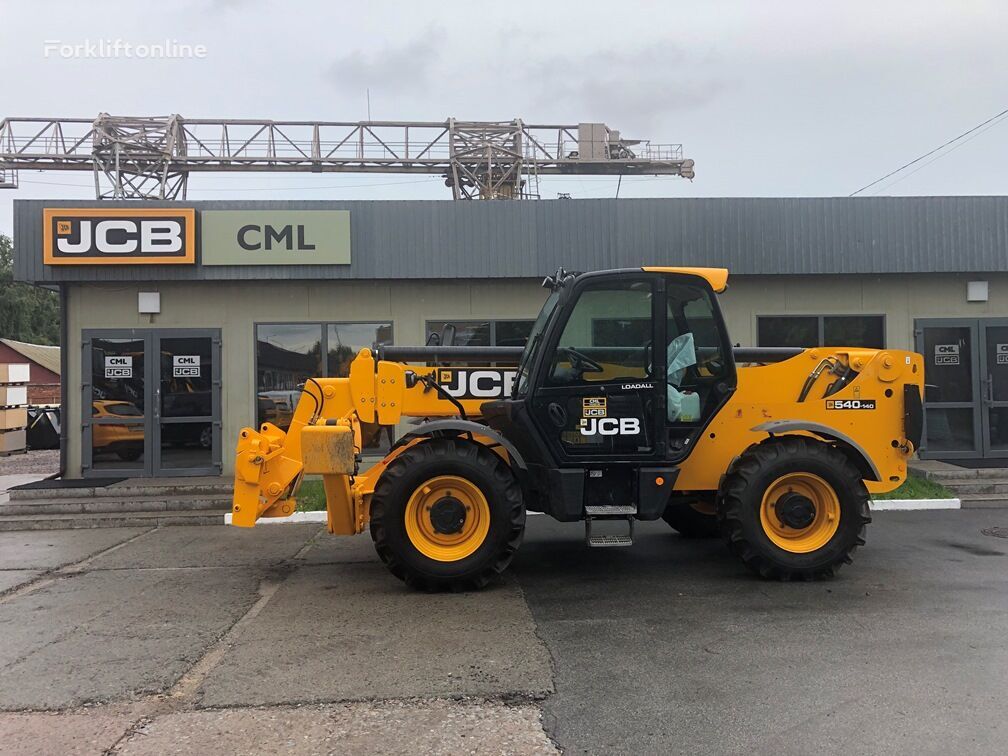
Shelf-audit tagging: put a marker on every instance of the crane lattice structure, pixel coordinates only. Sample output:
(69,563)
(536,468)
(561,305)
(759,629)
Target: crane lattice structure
(152,158)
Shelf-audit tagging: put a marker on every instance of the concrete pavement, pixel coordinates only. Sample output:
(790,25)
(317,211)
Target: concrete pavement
(284,639)
(671,647)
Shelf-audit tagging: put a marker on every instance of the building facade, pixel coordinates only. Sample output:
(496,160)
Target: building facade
(184,322)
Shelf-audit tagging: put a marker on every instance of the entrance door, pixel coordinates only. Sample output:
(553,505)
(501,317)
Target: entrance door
(994,386)
(114,402)
(952,388)
(966,387)
(187,402)
(151,402)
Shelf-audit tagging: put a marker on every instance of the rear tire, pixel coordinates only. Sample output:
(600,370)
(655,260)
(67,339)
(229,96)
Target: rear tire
(817,491)
(447,515)
(689,522)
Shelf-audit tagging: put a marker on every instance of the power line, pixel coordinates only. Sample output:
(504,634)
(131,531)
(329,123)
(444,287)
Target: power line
(932,152)
(908,174)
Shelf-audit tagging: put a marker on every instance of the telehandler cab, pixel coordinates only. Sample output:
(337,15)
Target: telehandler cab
(628,403)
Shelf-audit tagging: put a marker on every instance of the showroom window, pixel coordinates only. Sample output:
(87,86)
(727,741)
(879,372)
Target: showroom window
(287,354)
(821,330)
(485,332)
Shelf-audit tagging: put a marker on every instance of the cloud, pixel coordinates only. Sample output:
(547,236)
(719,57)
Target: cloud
(395,70)
(219,5)
(635,88)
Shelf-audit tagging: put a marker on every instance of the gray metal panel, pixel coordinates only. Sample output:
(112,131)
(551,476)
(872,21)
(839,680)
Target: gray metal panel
(444,239)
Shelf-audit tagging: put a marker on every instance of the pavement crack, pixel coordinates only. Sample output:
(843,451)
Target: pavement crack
(182,695)
(132,730)
(50,576)
(547,720)
(309,545)
(185,688)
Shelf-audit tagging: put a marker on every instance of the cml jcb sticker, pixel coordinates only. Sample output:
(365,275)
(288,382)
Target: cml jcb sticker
(850,404)
(593,406)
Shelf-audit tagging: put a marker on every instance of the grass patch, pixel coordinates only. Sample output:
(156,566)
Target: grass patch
(311,497)
(917,488)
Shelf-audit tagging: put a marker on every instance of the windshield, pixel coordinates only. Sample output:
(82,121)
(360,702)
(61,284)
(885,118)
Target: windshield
(535,336)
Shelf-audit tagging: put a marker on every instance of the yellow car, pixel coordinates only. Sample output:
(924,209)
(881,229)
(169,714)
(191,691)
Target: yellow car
(126,440)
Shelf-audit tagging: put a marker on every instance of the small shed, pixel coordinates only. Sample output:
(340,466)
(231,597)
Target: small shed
(44,368)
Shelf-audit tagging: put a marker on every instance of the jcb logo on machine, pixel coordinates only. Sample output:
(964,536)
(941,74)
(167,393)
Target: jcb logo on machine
(850,404)
(593,406)
(610,426)
(946,354)
(477,383)
(95,236)
(1002,354)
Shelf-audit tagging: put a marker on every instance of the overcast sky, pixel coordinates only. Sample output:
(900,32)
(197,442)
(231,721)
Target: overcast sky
(789,98)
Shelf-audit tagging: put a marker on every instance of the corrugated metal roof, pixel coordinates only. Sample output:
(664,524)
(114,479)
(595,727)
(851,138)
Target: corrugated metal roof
(445,239)
(46,356)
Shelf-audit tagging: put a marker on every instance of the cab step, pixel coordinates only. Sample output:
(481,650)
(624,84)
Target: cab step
(605,541)
(609,513)
(610,510)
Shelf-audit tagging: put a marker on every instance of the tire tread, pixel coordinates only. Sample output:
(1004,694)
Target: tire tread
(740,481)
(437,452)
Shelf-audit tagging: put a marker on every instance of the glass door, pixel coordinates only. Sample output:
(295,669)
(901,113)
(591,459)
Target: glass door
(994,386)
(187,402)
(151,402)
(952,421)
(114,397)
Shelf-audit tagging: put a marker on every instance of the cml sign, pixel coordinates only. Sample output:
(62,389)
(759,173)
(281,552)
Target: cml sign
(281,237)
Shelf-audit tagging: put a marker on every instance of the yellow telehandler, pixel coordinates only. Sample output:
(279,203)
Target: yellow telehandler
(628,403)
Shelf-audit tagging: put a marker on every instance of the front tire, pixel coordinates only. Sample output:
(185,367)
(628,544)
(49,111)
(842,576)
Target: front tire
(793,508)
(447,515)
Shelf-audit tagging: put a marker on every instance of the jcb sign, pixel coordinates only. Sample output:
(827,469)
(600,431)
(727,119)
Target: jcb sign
(94,236)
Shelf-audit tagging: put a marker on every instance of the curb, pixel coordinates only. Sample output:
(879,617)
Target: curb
(908,505)
(885,505)
(294,519)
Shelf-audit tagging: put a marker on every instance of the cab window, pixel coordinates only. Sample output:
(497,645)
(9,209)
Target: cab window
(690,310)
(608,336)
(694,352)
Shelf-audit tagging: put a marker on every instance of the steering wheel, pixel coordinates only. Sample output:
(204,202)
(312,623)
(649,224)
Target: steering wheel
(581,362)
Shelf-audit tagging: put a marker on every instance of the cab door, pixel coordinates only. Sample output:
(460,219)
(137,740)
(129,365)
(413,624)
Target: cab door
(600,395)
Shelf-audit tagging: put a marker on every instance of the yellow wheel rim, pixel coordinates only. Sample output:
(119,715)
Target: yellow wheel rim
(447,518)
(785,492)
